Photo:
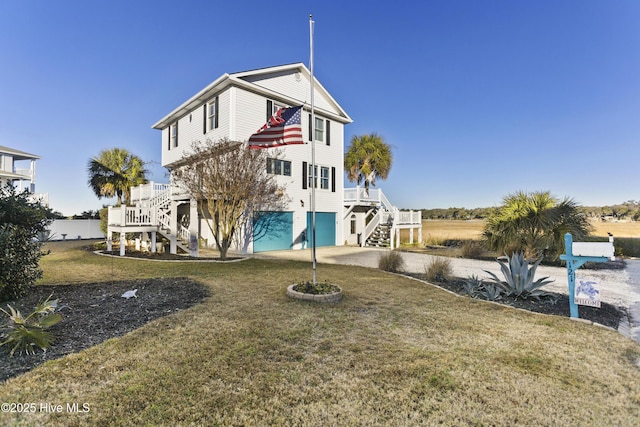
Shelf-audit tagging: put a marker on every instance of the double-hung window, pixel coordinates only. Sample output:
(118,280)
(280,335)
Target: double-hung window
(323,177)
(319,130)
(278,167)
(211,115)
(326,177)
(173,135)
(210,119)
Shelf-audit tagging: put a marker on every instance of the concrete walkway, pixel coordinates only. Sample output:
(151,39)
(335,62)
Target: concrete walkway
(618,287)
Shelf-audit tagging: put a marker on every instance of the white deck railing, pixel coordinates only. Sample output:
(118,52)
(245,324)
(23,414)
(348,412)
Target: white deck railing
(145,192)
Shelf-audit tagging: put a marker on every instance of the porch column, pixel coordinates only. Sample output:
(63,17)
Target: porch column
(173,234)
(109,242)
(193,228)
(153,242)
(122,242)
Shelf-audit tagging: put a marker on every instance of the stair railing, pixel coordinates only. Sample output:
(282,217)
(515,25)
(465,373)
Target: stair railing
(370,227)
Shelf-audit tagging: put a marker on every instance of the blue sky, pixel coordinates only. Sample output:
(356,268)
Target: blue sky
(478,99)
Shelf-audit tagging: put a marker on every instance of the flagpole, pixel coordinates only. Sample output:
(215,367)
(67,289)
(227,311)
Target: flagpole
(313,155)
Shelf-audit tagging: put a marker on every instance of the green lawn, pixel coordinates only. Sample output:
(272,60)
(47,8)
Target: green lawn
(395,351)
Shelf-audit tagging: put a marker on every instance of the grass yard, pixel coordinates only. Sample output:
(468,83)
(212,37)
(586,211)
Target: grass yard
(395,351)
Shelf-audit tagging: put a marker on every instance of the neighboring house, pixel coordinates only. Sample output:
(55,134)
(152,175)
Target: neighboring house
(234,107)
(19,169)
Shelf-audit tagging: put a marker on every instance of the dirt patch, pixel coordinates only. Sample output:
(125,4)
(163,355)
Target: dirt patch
(94,312)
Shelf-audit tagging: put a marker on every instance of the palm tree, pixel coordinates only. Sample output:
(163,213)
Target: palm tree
(114,172)
(367,159)
(534,223)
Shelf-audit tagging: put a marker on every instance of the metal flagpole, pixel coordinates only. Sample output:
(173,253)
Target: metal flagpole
(312,127)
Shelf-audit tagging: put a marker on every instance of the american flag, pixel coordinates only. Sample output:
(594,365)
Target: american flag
(283,128)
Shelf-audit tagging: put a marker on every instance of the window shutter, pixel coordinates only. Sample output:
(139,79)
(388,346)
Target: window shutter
(176,134)
(216,113)
(333,179)
(310,128)
(169,137)
(328,132)
(205,107)
(269,109)
(304,175)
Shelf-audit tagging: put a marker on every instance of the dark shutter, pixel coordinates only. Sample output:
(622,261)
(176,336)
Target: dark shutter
(327,132)
(205,107)
(215,125)
(310,128)
(169,137)
(333,179)
(176,134)
(304,175)
(269,109)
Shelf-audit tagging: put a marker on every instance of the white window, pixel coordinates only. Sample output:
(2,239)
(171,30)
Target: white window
(279,167)
(276,107)
(324,177)
(174,135)
(211,115)
(319,130)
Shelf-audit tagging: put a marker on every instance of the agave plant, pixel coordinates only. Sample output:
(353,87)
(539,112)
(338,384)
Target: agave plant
(25,333)
(490,292)
(519,275)
(472,286)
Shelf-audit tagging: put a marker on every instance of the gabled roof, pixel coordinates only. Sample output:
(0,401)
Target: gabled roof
(17,154)
(247,80)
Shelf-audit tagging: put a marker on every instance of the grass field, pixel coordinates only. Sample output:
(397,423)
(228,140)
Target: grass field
(395,351)
(435,232)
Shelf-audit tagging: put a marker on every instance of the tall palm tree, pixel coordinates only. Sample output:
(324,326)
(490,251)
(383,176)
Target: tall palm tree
(114,172)
(367,159)
(534,223)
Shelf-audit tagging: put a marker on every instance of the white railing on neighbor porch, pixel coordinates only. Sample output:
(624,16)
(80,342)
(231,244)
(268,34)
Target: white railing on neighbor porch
(28,173)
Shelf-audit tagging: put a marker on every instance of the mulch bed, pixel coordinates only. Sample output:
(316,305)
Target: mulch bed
(94,312)
(556,304)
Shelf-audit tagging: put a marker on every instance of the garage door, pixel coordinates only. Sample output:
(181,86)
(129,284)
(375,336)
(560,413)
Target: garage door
(272,231)
(325,228)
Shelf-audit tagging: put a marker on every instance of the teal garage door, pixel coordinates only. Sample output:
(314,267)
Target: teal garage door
(325,228)
(272,231)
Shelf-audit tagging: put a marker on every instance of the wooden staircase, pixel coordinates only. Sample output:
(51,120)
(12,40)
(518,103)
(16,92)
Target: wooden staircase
(153,211)
(380,237)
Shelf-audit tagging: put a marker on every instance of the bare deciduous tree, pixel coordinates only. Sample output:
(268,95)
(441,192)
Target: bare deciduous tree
(231,184)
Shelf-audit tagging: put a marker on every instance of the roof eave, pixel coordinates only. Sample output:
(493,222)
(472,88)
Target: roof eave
(193,102)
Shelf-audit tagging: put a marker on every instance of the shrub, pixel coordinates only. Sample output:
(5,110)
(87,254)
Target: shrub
(438,269)
(18,262)
(519,275)
(21,222)
(391,261)
(26,333)
(471,249)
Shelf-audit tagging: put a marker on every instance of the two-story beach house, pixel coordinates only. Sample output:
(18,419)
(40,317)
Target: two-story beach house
(19,169)
(233,107)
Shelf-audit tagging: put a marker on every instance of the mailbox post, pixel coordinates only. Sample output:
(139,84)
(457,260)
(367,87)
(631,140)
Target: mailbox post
(576,254)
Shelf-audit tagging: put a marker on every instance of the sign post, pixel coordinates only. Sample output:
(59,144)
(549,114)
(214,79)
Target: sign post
(576,254)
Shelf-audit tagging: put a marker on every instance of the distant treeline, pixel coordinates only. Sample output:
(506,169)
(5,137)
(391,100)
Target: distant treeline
(629,210)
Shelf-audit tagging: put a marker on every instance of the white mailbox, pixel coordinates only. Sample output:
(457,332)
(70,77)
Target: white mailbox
(604,249)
